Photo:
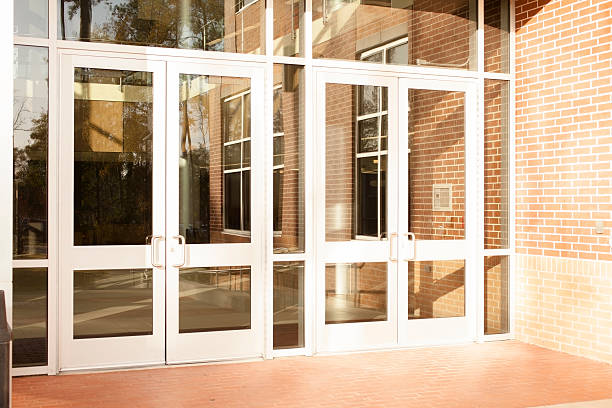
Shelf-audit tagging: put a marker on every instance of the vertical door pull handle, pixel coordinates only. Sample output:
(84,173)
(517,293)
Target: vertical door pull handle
(411,237)
(181,241)
(392,236)
(154,256)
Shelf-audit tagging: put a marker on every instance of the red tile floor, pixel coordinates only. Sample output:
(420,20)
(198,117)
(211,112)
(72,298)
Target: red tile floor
(499,374)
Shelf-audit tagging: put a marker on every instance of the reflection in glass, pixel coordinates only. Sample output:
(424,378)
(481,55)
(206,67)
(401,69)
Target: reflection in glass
(113,156)
(497,36)
(30,139)
(356,162)
(31,18)
(497,176)
(29,317)
(288,159)
(496,311)
(436,164)
(436,289)
(212,25)
(214,299)
(215,158)
(410,32)
(288,305)
(288,27)
(355,292)
(113,303)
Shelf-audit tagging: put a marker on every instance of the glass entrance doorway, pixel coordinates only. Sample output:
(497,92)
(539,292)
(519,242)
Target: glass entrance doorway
(161,229)
(395,262)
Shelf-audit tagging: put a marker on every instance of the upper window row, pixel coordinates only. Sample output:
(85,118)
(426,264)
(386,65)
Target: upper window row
(431,33)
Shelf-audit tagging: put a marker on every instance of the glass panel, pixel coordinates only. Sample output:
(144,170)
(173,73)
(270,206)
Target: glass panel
(288,27)
(113,156)
(355,292)
(29,317)
(214,152)
(496,295)
(437,164)
(214,299)
(436,289)
(435,33)
(497,36)
(113,303)
(288,164)
(355,182)
(288,305)
(497,179)
(30,139)
(31,18)
(229,26)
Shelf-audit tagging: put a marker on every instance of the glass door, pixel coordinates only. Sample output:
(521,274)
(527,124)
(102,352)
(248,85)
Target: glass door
(112,198)
(438,214)
(215,214)
(356,207)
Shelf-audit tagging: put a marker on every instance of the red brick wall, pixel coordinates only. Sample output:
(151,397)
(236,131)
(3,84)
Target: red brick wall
(563,128)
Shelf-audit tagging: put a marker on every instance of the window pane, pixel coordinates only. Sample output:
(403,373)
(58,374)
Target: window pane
(288,305)
(113,303)
(355,185)
(436,289)
(288,27)
(210,114)
(246,200)
(496,295)
(497,36)
(355,292)
(30,138)
(31,18)
(497,179)
(29,317)
(113,156)
(437,164)
(195,24)
(437,33)
(288,162)
(214,299)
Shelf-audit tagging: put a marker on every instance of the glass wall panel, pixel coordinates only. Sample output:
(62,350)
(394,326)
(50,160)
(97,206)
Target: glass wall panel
(437,164)
(30,138)
(405,32)
(289,28)
(497,36)
(113,156)
(497,178)
(355,292)
(288,305)
(214,298)
(31,18)
(496,313)
(288,163)
(215,159)
(113,303)
(356,162)
(211,25)
(436,289)
(29,317)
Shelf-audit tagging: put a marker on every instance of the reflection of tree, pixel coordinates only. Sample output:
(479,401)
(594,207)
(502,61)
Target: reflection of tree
(151,22)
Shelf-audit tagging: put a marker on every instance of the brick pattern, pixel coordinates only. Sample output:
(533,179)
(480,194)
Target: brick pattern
(500,374)
(565,304)
(497,36)
(496,311)
(365,286)
(436,289)
(564,128)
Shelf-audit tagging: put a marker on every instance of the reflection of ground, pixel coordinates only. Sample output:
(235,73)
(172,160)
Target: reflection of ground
(343,309)
(29,327)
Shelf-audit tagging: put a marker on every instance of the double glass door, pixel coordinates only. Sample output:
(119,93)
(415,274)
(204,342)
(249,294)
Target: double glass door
(161,250)
(396,212)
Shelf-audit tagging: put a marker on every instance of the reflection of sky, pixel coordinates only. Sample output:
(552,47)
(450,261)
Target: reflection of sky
(30,89)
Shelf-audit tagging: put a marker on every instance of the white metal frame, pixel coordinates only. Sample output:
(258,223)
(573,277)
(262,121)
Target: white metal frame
(54,45)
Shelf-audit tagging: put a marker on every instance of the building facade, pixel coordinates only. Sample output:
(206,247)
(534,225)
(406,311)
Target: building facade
(199,181)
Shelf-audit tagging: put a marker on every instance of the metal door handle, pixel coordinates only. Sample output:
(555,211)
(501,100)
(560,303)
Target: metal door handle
(391,236)
(181,240)
(411,237)
(154,250)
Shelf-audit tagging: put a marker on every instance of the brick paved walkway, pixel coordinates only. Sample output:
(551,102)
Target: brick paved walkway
(500,374)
